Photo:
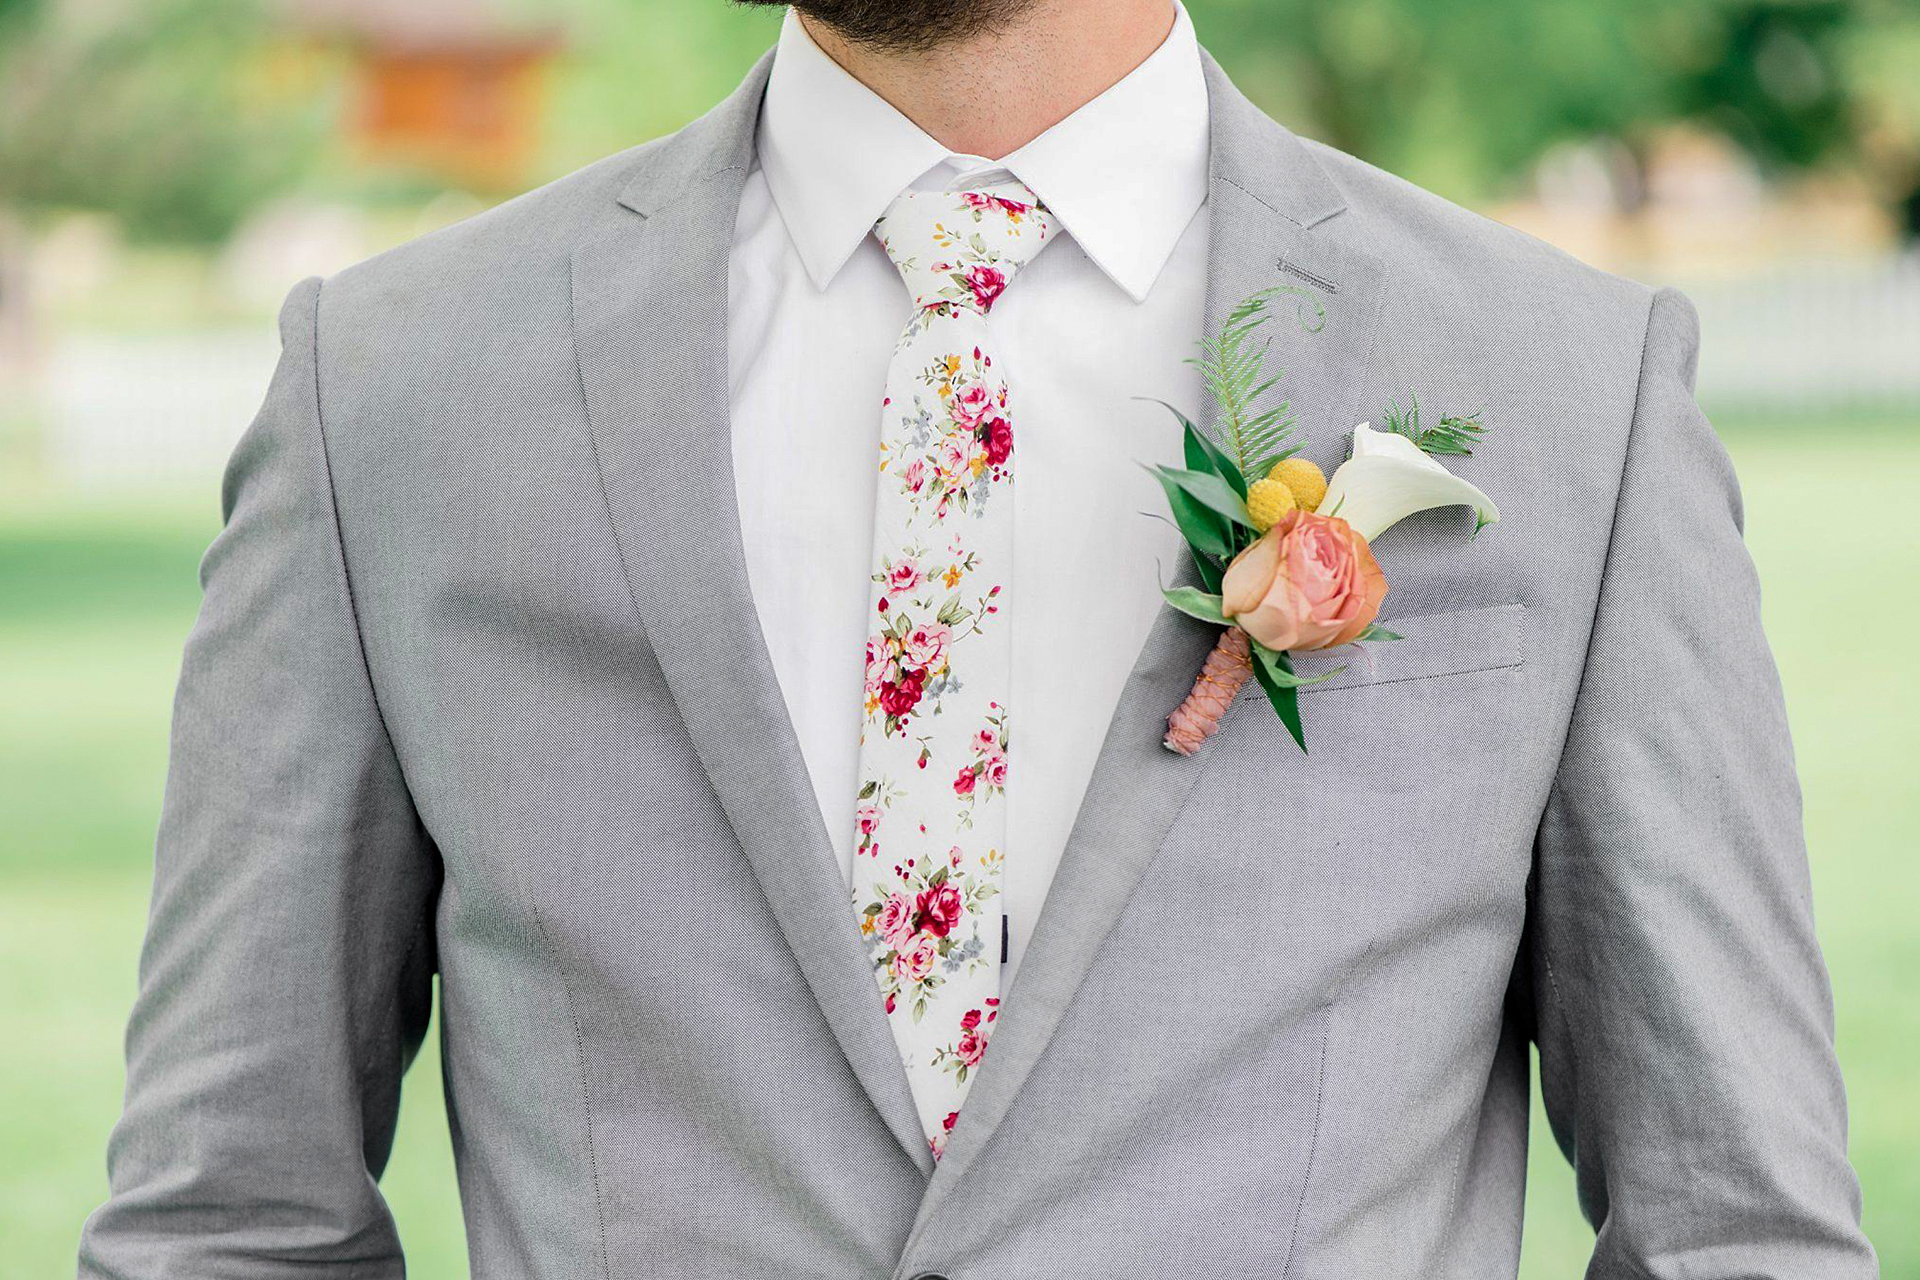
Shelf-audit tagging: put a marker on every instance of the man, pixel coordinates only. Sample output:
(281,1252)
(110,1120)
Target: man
(548,649)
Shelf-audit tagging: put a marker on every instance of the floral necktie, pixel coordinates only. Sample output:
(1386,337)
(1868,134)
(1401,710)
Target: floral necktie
(932,820)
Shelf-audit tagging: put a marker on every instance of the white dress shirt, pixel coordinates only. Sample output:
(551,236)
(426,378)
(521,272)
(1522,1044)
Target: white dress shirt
(1107,313)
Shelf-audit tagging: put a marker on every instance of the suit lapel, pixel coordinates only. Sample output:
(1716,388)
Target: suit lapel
(650,324)
(1269,204)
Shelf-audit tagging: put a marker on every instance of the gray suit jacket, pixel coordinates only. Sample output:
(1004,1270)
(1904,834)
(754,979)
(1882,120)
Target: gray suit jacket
(478,691)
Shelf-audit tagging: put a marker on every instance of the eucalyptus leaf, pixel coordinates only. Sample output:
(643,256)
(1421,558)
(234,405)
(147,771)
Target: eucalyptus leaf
(1195,604)
(1280,669)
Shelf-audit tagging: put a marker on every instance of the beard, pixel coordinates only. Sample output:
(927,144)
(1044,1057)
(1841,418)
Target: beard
(906,24)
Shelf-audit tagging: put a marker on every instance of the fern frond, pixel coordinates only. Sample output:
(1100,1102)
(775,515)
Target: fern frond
(1403,422)
(1233,367)
(1455,436)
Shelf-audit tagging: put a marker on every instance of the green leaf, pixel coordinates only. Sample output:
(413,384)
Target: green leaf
(1281,669)
(1195,604)
(1211,575)
(1210,491)
(1204,455)
(1285,698)
(1375,631)
(1207,533)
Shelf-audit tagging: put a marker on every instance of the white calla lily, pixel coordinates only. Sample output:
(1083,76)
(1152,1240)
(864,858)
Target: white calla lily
(1389,478)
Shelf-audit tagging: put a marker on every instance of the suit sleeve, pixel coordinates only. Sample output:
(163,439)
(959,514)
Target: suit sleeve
(1684,1017)
(286,977)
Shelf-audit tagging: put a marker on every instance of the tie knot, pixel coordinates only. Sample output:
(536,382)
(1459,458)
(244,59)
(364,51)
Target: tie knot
(962,248)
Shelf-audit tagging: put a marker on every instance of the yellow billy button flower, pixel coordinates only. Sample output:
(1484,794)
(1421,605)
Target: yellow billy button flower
(1267,501)
(1306,482)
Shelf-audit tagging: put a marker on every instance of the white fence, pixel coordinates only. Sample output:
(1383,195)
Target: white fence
(147,410)
(165,410)
(1812,337)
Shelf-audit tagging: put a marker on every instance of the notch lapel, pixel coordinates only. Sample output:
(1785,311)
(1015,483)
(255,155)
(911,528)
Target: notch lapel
(650,328)
(1275,218)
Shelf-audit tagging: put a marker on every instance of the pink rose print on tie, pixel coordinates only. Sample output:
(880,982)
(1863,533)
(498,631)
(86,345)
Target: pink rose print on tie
(996,436)
(918,930)
(939,1140)
(963,1056)
(876,797)
(967,445)
(982,202)
(970,402)
(939,909)
(896,920)
(925,646)
(899,697)
(915,963)
(986,774)
(866,821)
(903,575)
(986,284)
(909,660)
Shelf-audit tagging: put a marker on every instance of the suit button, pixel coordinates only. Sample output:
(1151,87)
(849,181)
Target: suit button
(929,1275)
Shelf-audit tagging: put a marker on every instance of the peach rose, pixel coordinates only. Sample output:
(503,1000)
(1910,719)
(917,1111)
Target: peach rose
(1311,582)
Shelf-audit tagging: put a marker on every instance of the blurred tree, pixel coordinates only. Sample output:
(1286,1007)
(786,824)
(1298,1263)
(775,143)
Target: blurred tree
(151,113)
(1886,67)
(1771,76)
(1467,95)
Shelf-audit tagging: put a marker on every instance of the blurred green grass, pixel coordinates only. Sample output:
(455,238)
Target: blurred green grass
(96,597)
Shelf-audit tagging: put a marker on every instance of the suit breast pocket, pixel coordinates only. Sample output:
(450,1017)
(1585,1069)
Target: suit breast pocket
(1409,814)
(1451,643)
(1437,719)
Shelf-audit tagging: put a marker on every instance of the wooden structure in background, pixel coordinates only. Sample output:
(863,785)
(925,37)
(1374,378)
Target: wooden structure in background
(453,87)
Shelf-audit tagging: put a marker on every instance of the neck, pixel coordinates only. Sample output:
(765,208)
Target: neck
(993,93)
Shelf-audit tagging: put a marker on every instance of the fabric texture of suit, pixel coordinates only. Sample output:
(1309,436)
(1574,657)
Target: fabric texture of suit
(478,691)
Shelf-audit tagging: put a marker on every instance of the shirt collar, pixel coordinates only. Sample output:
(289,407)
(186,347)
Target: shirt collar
(1124,174)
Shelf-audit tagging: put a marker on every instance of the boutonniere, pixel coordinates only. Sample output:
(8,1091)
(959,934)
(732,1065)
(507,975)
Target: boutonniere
(1285,554)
